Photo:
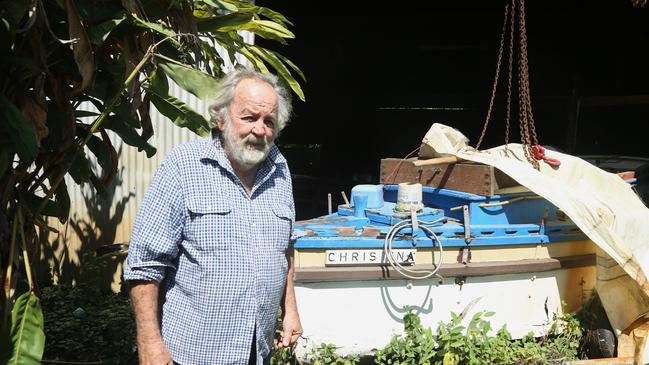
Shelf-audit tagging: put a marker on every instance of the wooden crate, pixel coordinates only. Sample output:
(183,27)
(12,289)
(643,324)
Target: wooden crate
(467,177)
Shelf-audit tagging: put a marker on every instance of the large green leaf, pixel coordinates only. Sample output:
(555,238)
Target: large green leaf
(281,69)
(128,134)
(101,151)
(270,29)
(26,333)
(257,61)
(62,199)
(243,21)
(51,209)
(109,80)
(22,135)
(177,111)
(106,156)
(100,32)
(60,128)
(80,168)
(82,49)
(245,7)
(214,57)
(232,42)
(84,113)
(224,23)
(60,207)
(125,111)
(153,26)
(158,81)
(290,63)
(202,85)
(94,12)
(221,5)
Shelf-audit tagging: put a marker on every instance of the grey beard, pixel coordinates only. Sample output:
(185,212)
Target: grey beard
(247,152)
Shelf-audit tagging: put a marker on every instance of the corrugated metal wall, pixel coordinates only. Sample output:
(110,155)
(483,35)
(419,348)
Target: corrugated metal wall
(94,220)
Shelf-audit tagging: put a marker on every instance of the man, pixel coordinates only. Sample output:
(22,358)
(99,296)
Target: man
(209,262)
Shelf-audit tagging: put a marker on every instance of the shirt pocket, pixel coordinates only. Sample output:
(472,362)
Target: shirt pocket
(283,220)
(210,223)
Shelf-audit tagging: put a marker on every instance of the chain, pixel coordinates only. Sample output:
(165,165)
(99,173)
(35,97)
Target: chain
(527,74)
(525,115)
(509,79)
(498,64)
(528,132)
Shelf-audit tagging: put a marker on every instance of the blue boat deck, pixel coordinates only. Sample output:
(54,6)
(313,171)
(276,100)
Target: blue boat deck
(510,219)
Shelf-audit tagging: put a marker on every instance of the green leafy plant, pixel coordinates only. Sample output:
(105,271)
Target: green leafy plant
(116,55)
(325,354)
(283,356)
(455,344)
(418,346)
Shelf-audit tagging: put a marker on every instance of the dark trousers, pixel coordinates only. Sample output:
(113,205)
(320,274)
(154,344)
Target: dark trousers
(253,350)
(253,353)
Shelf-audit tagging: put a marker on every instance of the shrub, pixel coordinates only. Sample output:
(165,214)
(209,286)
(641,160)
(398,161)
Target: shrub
(83,323)
(472,345)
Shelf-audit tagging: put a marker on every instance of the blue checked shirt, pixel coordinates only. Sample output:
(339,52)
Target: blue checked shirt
(219,254)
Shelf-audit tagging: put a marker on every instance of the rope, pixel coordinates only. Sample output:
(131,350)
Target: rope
(396,168)
(411,273)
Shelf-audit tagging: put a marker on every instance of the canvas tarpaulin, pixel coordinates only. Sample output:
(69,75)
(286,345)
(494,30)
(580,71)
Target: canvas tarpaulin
(600,203)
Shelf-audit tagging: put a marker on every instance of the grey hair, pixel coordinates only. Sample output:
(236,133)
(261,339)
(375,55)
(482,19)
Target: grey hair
(219,105)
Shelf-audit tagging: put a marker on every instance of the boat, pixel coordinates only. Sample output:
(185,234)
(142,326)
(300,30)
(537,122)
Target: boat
(435,240)
(516,229)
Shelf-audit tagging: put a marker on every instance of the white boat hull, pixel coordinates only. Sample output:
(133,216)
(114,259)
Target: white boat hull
(360,317)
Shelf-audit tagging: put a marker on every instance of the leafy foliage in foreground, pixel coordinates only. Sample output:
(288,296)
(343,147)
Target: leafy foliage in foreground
(84,324)
(325,354)
(472,345)
(455,344)
(72,71)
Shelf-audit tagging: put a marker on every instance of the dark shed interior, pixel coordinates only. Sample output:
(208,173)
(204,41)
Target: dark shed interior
(379,74)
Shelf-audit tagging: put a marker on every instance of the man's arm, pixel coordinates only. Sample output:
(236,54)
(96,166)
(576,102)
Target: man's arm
(151,349)
(291,326)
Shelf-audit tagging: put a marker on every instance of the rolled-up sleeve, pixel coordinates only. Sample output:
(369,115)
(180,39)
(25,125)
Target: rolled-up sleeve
(158,227)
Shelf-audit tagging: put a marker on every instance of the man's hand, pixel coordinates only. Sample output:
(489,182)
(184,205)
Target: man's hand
(154,353)
(291,329)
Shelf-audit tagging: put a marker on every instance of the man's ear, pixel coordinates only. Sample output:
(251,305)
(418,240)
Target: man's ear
(219,123)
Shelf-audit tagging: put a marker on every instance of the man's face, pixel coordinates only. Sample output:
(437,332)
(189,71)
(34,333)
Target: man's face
(251,131)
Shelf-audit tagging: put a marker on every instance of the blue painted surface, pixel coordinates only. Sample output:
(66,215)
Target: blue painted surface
(519,222)
(523,211)
(373,194)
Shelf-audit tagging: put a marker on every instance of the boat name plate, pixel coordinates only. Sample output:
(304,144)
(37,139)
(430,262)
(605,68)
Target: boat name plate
(352,257)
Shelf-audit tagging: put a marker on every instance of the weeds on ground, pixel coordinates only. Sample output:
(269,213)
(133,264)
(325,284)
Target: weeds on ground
(455,344)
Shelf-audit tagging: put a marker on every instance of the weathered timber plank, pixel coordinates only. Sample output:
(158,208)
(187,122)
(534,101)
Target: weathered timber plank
(467,177)
(322,274)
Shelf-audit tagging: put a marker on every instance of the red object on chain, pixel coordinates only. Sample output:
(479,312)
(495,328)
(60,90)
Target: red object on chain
(539,153)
